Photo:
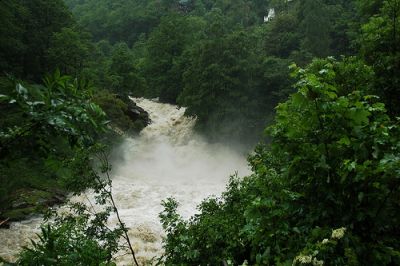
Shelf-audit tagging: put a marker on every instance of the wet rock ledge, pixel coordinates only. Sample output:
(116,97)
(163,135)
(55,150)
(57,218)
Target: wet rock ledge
(26,202)
(134,112)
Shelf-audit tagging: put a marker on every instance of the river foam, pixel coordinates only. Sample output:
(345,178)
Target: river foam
(168,159)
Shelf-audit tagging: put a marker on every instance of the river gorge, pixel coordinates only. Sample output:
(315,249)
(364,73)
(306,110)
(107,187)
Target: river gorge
(167,159)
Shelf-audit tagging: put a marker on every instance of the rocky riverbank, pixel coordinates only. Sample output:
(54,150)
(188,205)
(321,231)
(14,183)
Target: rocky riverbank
(26,202)
(34,197)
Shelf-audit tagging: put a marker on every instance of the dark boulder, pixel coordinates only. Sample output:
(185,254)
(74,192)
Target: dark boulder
(27,202)
(134,112)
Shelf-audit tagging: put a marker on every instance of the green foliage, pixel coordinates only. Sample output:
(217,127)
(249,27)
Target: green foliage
(162,49)
(344,138)
(26,35)
(61,107)
(380,46)
(165,59)
(125,23)
(315,25)
(65,244)
(122,76)
(132,18)
(228,86)
(282,30)
(11,34)
(44,127)
(333,158)
(333,162)
(69,51)
(80,235)
(116,111)
(166,52)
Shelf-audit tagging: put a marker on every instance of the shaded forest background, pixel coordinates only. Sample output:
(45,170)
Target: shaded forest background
(218,58)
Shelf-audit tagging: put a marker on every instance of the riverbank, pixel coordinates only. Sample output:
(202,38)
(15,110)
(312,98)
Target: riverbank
(34,186)
(167,159)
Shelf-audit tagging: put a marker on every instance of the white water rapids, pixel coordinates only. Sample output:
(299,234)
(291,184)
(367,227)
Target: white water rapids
(167,159)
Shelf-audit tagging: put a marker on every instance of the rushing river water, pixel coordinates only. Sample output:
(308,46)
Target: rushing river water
(167,159)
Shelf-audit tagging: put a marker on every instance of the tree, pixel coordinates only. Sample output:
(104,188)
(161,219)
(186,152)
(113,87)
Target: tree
(229,84)
(165,47)
(282,36)
(316,27)
(25,35)
(380,46)
(123,77)
(44,127)
(126,21)
(325,187)
(219,82)
(12,46)
(44,19)
(69,51)
(82,235)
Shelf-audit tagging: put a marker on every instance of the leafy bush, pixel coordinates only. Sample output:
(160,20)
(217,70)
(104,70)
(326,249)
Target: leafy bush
(65,244)
(80,234)
(55,127)
(44,128)
(38,114)
(332,162)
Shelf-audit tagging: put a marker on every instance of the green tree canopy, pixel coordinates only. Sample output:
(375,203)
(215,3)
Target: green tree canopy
(332,163)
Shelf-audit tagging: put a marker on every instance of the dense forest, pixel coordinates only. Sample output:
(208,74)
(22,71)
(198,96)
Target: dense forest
(315,82)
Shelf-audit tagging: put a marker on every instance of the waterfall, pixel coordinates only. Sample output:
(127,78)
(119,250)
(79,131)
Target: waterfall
(168,159)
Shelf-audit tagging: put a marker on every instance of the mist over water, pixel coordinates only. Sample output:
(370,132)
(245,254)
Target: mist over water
(166,160)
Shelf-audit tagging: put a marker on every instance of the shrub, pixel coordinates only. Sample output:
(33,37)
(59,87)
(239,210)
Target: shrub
(332,162)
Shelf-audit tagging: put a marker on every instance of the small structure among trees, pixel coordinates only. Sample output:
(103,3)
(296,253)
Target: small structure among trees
(270,16)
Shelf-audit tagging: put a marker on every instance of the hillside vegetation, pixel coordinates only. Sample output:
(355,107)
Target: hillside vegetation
(317,83)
